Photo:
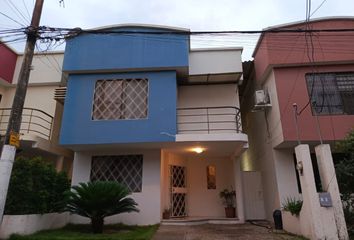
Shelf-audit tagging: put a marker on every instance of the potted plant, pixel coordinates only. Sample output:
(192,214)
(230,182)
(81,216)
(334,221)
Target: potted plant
(228,197)
(291,215)
(166,213)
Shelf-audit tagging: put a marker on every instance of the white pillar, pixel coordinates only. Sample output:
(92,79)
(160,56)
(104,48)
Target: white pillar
(329,184)
(81,168)
(6,162)
(59,163)
(311,205)
(239,191)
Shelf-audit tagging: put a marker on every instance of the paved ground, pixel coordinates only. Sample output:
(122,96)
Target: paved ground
(219,232)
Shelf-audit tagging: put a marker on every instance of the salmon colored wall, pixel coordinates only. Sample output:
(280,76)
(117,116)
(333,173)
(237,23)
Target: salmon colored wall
(291,88)
(290,48)
(7,63)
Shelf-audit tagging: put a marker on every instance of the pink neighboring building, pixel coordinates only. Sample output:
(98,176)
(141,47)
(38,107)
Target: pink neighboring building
(315,71)
(8,60)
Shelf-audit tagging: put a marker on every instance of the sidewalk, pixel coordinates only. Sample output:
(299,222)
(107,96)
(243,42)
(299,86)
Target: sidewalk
(219,232)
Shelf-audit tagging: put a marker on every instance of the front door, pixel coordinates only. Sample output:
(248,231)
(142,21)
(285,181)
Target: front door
(178,190)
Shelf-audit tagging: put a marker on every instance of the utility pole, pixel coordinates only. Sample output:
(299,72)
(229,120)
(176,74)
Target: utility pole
(11,141)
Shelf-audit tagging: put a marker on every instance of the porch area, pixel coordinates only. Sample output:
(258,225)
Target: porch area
(192,176)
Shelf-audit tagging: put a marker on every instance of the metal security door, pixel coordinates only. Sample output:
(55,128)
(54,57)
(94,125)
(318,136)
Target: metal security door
(178,191)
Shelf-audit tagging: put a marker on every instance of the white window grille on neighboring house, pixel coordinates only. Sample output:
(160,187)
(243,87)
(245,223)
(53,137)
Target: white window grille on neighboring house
(125,169)
(120,99)
(331,93)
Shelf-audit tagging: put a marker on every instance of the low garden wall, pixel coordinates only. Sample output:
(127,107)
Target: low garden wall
(28,224)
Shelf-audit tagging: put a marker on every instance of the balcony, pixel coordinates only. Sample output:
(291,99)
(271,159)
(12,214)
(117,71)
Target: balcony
(34,122)
(209,120)
(222,123)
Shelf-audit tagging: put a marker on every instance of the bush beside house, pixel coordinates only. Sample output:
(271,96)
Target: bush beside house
(345,178)
(35,188)
(35,194)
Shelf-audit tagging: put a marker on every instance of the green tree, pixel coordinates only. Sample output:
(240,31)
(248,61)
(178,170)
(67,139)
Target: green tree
(97,200)
(345,177)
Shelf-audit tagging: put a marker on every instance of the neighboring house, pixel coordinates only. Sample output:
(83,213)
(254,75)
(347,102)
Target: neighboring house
(317,73)
(38,126)
(137,109)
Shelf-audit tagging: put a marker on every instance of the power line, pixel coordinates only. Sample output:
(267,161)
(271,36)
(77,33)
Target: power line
(12,19)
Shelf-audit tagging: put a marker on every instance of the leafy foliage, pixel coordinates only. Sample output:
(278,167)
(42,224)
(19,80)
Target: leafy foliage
(293,206)
(35,187)
(345,178)
(228,197)
(97,200)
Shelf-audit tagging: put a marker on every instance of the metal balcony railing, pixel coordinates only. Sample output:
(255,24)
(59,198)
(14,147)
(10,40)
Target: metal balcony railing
(223,119)
(33,121)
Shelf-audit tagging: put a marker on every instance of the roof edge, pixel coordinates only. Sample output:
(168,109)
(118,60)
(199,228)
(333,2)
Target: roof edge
(142,25)
(294,23)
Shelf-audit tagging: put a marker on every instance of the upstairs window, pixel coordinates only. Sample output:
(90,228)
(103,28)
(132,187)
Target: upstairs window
(331,93)
(120,99)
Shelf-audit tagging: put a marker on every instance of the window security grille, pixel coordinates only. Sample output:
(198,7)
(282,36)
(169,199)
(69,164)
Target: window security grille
(331,93)
(125,169)
(120,99)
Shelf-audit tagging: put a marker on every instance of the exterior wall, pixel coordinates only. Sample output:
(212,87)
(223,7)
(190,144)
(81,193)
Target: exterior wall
(79,128)
(40,97)
(7,63)
(214,61)
(292,88)
(289,48)
(208,96)
(202,201)
(148,199)
(124,51)
(46,68)
(28,224)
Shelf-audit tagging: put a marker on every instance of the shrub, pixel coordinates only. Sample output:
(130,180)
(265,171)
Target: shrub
(97,200)
(345,177)
(293,206)
(35,187)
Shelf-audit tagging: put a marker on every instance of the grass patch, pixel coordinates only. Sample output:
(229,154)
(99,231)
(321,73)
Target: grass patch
(83,232)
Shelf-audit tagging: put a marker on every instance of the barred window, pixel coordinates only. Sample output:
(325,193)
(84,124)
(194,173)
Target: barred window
(331,93)
(120,99)
(125,169)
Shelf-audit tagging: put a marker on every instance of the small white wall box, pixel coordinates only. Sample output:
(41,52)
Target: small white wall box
(261,100)
(325,199)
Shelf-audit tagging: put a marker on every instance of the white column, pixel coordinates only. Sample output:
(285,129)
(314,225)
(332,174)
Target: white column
(239,191)
(81,168)
(59,163)
(6,162)
(311,207)
(330,184)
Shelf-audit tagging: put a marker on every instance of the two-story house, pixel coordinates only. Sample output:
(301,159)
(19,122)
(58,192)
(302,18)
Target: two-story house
(144,109)
(39,128)
(315,71)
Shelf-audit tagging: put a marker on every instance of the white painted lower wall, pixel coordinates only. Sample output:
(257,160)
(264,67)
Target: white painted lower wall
(28,224)
(149,200)
(206,202)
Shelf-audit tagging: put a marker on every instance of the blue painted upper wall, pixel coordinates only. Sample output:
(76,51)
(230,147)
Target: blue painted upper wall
(137,51)
(78,128)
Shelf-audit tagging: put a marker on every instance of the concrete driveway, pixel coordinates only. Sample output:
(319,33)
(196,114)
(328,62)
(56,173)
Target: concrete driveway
(219,232)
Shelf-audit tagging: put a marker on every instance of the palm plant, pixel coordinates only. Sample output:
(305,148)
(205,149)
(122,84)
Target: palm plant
(97,200)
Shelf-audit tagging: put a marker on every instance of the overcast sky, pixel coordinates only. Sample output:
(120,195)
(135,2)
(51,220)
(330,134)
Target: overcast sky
(192,14)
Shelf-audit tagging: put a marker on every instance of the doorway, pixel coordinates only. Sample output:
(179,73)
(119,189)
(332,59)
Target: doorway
(178,191)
